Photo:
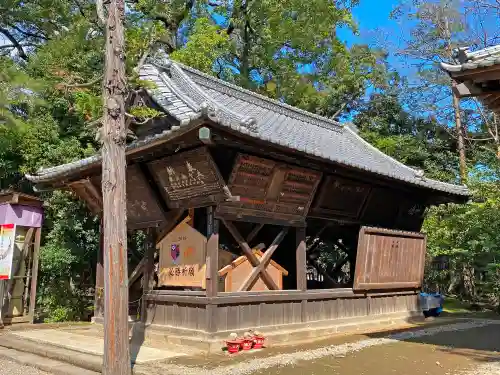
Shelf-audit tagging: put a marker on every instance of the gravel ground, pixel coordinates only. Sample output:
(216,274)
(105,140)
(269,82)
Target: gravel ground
(292,359)
(492,368)
(11,368)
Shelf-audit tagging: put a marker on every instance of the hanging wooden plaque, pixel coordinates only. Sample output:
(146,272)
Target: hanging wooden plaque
(189,179)
(269,191)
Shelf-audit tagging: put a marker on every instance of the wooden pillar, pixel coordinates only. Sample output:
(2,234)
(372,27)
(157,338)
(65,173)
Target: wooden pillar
(99,279)
(34,274)
(301,264)
(301,258)
(212,260)
(211,274)
(148,276)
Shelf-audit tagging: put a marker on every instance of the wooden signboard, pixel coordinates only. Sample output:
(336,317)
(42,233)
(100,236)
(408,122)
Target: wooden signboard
(189,179)
(182,257)
(389,259)
(269,191)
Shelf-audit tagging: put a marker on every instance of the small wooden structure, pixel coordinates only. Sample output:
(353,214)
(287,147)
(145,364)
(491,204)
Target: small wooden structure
(21,218)
(238,271)
(249,170)
(477,74)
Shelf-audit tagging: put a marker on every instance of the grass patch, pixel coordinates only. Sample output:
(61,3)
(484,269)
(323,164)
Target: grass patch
(455,306)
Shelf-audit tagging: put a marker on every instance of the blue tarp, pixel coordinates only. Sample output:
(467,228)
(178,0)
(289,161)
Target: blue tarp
(431,303)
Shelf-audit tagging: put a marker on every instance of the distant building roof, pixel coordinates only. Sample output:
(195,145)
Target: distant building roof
(187,94)
(477,74)
(472,60)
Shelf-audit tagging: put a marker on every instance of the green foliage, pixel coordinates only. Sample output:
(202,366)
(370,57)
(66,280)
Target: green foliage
(68,259)
(50,91)
(414,141)
(469,235)
(143,113)
(17,98)
(205,46)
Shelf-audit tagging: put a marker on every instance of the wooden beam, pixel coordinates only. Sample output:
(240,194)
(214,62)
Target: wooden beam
(252,258)
(264,261)
(99,277)
(301,263)
(138,270)
(86,190)
(339,266)
(315,239)
(10,285)
(475,74)
(149,258)
(34,277)
(212,261)
(470,89)
(254,232)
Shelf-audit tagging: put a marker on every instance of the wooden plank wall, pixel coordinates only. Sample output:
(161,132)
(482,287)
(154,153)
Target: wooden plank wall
(246,315)
(181,315)
(233,317)
(389,259)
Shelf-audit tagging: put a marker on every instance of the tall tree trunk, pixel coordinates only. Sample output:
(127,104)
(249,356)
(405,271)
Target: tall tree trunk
(116,340)
(456,107)
(460,136)
(245,57)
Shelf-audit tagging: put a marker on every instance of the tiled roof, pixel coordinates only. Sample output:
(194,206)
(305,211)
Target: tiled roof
(472,60)
(188,94)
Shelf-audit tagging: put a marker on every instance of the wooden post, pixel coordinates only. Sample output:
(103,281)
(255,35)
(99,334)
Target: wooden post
(99,278)
(301,264)
(148,278)
(212,274)
(301,259)
(116,359)
(34,274)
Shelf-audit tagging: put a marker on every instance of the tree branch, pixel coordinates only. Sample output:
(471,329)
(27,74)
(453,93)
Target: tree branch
(100,12)
(29,34)
(6,46)
(15,43)
(86,84)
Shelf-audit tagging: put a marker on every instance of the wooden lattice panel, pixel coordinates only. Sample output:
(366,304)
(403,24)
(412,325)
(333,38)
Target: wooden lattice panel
(189,178)
(270,190)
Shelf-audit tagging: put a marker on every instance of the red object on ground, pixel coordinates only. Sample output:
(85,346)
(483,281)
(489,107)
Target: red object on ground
(258,342)
(233,346)
(247,344)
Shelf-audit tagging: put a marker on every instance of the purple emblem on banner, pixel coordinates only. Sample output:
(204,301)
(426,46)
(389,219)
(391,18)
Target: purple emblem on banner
(175,251)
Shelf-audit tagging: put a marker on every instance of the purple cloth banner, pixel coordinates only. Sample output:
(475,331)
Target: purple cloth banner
(27,216)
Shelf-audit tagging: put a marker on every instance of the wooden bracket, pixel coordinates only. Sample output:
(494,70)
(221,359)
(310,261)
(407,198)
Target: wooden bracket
(254,232)
(86,190)
(252,258)
(264,261)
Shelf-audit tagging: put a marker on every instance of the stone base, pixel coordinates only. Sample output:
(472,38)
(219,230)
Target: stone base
(160,336)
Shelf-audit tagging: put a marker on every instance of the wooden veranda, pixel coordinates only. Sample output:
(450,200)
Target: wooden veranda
(227,172)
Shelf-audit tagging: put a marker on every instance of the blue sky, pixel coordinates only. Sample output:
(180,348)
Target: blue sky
(370,15)
(376,27)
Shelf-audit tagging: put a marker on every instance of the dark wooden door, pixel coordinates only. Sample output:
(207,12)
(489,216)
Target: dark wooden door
(389,259)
